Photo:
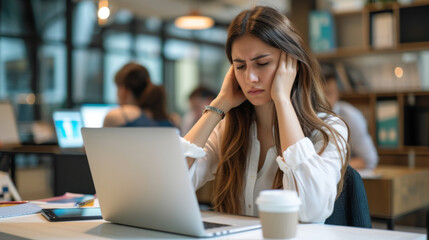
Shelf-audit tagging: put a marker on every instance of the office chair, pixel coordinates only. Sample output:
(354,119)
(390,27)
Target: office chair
(351,207)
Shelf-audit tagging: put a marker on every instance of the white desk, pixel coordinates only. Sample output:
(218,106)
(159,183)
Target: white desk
(36,227)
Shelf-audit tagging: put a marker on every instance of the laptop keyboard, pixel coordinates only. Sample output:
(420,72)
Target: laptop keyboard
(209,225)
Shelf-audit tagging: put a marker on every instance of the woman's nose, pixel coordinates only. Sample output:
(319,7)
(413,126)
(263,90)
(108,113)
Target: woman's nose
(251,76)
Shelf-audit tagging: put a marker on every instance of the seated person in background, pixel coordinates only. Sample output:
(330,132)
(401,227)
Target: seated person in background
(363,152)
(198,99)
(141,102)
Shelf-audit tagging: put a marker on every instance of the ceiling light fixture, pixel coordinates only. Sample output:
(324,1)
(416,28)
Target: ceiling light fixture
(103,11)
(194,21)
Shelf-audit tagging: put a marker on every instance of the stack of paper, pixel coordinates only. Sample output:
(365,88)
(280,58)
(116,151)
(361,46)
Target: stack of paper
(68,199)
(19,209)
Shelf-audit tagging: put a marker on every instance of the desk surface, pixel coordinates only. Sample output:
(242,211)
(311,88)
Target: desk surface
(36,227)
(398,191)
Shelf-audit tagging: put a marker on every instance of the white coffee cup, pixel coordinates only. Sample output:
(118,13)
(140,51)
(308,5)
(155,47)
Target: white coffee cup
(278,212)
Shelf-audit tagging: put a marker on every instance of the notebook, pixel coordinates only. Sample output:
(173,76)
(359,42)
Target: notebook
(93,114)
(141,178)
(8,129)
(68,124)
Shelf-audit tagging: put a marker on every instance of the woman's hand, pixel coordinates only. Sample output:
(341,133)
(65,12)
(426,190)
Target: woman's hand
(230,95)
(284,78)
(290,129)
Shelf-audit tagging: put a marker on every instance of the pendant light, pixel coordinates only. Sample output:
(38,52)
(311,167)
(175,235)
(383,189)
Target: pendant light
(194,21)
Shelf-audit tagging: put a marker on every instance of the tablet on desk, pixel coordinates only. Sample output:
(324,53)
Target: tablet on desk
(71,214)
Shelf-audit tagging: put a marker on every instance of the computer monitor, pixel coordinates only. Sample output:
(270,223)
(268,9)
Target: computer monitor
(67,127)
(93,114)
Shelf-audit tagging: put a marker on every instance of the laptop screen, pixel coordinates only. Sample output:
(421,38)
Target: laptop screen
(93,114)
(67,126)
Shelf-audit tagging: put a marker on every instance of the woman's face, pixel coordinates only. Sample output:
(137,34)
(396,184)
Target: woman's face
(255,65)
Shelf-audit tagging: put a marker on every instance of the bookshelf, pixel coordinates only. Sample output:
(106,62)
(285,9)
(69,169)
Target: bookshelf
(412,147)
(355,36)
(403,33)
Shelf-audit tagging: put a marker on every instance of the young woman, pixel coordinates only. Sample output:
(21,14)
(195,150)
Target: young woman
(278,131)
(141,102)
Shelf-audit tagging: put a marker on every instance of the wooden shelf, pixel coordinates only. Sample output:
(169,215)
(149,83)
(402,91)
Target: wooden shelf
(347,12)
(411,138)
(366,51)
(405,150)
(363,95)
(353,31)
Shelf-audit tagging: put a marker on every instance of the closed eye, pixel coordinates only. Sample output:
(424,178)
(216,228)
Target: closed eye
(263,64)
(240,67)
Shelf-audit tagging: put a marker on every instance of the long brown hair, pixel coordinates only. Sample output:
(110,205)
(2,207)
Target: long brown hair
(307,96)
(155,100)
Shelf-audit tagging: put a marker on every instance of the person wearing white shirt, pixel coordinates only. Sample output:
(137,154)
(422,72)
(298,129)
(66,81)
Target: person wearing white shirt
(363,151)
(278,131)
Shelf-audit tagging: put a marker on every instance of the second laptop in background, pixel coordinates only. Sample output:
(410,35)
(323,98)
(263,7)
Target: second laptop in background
(67,127)
(93,114)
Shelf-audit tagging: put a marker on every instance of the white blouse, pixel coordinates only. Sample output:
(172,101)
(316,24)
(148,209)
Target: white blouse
(316,176)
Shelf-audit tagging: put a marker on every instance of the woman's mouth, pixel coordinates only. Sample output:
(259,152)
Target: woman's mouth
(255,91)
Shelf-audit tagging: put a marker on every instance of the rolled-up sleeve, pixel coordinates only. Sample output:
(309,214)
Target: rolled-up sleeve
(206,160)
(315,176)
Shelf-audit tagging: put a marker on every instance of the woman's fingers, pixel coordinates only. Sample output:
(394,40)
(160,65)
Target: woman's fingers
(289,61)
(295,64)
(230,94)
(285,76)
(283,60)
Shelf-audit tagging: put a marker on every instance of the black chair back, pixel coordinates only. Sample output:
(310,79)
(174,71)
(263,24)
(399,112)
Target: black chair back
(351,207)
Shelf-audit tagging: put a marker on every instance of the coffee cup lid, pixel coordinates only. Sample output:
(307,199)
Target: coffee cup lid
(281,198)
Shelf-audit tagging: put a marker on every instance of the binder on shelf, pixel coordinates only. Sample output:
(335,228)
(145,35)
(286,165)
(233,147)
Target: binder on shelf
(322,31)
(423,127)
(357,79)
(387,123)
(341,73)
(383,30)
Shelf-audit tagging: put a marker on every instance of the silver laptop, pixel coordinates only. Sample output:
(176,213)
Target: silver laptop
(68,124)
(141,179)
(8,129)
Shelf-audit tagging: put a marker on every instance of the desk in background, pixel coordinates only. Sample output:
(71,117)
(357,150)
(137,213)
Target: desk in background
(71,169)
(398,192)
(8,154)
(36,227)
